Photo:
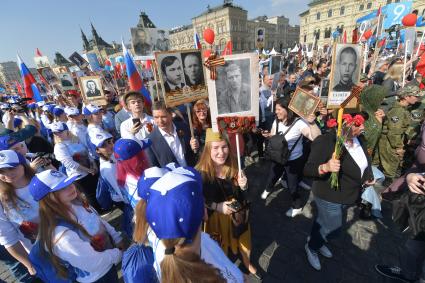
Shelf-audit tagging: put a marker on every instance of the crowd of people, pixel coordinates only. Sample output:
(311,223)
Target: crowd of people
(185,205)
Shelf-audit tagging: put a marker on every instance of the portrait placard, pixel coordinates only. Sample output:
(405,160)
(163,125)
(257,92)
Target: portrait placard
(147,40)
(41,62)
(92,90)
(48,75)
(345,73)
(303,103)
(78,60)
(66,81)
(60,70)
(275,64)
(235,91)
(182,77)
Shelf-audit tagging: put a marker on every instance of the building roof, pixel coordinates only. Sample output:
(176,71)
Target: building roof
(304,13)
(226,4)
(180,28)
(317,2)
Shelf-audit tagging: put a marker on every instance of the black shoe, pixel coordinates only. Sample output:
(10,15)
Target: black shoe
(393,272)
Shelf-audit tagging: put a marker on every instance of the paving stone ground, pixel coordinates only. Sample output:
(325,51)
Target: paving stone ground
(278,244)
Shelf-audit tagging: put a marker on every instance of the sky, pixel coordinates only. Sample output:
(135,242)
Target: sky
(53,25)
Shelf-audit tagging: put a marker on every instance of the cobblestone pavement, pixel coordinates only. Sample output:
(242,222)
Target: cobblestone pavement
(278,244)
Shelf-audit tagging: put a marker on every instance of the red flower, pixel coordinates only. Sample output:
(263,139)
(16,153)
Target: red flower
(358,120)
(149,126)
(331,123)
(347,118)
(98,242)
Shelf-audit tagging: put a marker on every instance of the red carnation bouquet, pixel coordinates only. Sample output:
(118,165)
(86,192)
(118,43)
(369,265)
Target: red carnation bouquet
(348,122)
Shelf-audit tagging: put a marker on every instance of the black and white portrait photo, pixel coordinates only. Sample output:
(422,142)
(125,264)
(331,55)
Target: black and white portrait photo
(91,88)
(41,62)
(346,68)
(162,42)
(66,81)
(78,60)
(235,90)
(141,40)
(181,75)
(275,64)
(303,103)
(193,70)
(48,74)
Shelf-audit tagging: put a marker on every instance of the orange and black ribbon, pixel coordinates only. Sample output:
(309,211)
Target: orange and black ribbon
(211,63)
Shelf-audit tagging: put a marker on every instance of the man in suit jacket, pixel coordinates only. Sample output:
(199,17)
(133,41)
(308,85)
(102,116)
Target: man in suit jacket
(354,169)
(171,142)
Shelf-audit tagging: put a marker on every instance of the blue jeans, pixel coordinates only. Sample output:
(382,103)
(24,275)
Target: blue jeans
(327,223)
(18,270)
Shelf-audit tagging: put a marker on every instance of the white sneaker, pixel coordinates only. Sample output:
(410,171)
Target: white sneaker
(265,194)
(292,212)
(313,258)
(304,186)
(324,251)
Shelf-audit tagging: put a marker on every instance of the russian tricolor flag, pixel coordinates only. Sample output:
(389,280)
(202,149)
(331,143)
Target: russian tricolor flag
(30,84)
(196,41)
(134,78)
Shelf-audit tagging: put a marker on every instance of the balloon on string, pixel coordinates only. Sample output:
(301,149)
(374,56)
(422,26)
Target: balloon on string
(409,20)
(209,35)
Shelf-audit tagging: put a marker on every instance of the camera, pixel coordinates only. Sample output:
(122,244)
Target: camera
(235,205)
(45,155)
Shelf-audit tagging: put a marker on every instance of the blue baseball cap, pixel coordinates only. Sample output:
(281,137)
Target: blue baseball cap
(11,159)
(125,149)
(7,142)
(32,105)
(17,122)
(57,111)
(49,181)
(72,111)
(175,207)
(90,109)
(50,108)
(148,178)
(58,127)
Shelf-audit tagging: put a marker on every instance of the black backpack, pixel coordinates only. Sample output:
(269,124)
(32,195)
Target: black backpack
(277,147)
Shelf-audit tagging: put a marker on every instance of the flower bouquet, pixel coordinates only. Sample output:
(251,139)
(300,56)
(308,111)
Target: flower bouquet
(344,133)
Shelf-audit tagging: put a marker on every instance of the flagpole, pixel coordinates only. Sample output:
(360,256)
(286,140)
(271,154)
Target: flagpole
(366,52)
(420,43)
(406,43)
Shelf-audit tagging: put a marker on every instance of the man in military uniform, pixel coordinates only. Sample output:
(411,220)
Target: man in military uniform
(391,145)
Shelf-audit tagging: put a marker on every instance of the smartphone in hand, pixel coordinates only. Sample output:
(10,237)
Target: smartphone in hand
(136,121)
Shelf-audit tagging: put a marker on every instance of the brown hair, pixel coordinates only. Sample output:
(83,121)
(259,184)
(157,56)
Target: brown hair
(196,123)
(206,166)
(132,94)
(141,225)
(185,266)
(51,210)
(395,72)
(159,105)
(8,197)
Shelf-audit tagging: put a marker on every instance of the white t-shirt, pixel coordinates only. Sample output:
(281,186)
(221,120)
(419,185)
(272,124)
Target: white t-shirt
(210,252)
(69,246)
(291,137)
(127,125)
(357,153)
(78,130)
(11,219)
(66,151)
(108,171)
(130,191)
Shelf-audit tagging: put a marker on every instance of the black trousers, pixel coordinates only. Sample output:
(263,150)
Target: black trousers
(293,173)
(412,259)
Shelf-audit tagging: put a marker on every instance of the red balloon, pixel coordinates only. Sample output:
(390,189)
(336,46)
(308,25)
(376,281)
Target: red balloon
(409,20)
(209,35)
(367,34)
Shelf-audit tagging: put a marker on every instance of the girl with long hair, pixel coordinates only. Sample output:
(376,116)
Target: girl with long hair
(294,129)
(131,163)
(223,187)
(201,119)
(18,211)
(91,249)
(75,159)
